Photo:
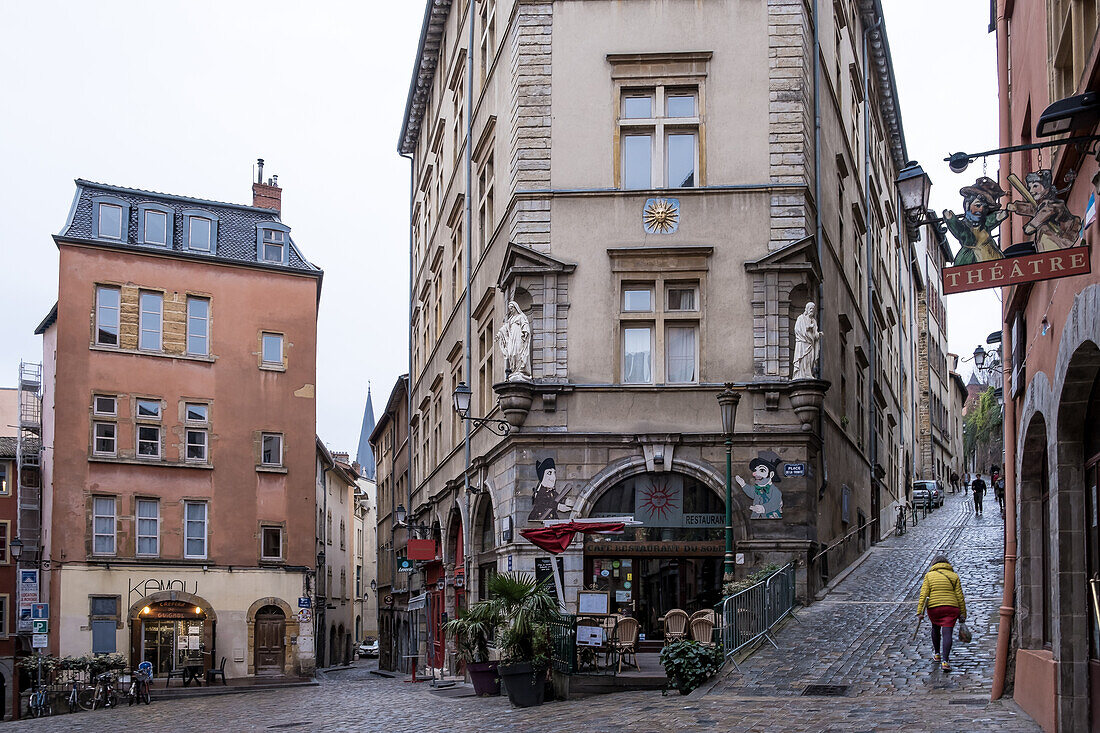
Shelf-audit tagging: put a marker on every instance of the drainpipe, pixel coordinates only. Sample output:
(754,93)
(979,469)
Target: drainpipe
(408,399)
(869,259)
(1007,609)
(469,245)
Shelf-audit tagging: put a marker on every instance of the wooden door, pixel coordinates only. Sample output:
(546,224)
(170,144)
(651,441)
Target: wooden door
(270,652)
(1092,557)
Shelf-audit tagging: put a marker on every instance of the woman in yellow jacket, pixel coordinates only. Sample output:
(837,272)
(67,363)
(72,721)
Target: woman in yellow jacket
(941,593)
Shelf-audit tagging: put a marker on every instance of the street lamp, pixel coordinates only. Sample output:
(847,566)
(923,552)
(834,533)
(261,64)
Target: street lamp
(914,187)
(15,547)
(979,356)
(461,404)
(727,403)
(399,514)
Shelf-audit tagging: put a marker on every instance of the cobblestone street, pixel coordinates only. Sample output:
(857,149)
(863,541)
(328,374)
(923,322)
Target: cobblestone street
(861,636)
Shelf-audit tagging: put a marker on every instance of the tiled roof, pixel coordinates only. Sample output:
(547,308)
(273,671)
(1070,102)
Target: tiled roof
(236,229)
(9,445)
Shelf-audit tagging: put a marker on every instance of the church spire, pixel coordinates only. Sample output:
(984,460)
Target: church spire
(365,456)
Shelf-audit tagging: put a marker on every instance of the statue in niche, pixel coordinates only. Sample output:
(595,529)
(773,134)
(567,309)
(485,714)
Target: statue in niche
(514,340)
(807,344)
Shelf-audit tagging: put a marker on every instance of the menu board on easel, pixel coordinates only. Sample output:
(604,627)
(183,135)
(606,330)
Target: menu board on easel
(593,603)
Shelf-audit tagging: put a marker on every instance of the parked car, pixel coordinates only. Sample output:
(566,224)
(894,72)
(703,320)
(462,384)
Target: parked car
(367,648)
(928,491)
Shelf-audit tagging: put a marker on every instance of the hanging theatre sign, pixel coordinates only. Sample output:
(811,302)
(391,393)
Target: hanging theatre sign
(980,263)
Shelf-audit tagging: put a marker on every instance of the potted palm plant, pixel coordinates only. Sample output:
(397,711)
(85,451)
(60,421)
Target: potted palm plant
(526,609)
(472,631)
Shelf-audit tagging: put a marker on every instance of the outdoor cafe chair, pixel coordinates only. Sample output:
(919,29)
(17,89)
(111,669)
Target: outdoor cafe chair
(702,630)
(624,642)
(676,622)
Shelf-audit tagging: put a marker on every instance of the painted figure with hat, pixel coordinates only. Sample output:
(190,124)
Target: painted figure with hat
(547,503)
(1052,224)
(982,214)
(767,500)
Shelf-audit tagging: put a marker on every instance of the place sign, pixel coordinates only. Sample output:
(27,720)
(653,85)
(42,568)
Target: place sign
(1015,270)
(794,469)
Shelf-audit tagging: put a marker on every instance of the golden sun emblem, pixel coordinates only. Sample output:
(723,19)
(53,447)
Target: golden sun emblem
(661,216)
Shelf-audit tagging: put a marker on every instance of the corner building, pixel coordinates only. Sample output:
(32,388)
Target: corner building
(178,501)
(645,180)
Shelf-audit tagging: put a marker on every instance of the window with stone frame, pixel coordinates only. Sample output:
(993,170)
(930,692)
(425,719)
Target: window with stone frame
(1072,26)
(459,114)
(659,136)
(437,425)
(456,377)
(659,331)
(487,25)
(485,396)
(458,274)
(148,428)
(486,180)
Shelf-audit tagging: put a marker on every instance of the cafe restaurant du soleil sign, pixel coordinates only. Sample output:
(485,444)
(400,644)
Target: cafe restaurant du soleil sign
(654,548)
(1055,249)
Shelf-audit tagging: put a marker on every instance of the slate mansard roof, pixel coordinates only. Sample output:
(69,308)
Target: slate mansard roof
(237,226)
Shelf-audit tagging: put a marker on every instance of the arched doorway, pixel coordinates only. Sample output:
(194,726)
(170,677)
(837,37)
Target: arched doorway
(673,560)
(484,546)
(270,650)
(173,631)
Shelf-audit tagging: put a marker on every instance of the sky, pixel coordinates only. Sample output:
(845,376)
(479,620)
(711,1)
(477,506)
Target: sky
(182,97)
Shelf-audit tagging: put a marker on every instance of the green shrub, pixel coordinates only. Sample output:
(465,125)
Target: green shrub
(737,586)
(689,664)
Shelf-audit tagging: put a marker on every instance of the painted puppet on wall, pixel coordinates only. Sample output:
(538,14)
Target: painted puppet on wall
(982,214)
(548,502)
(767,500)
(1051,222)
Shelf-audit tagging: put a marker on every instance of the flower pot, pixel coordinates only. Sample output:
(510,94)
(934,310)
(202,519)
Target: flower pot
(524,684)
(485,678)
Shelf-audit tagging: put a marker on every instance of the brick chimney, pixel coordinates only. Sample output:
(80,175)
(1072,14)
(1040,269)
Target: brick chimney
(340,457)
(266,195)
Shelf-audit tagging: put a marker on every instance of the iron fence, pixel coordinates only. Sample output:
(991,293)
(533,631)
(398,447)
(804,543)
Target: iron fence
(748,615)
(563,639)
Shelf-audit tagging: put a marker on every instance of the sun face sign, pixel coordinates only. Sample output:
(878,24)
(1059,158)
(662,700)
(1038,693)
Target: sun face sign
(661,216)
(660,500)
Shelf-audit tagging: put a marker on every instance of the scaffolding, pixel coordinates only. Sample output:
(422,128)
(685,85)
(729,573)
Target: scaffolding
(29,458)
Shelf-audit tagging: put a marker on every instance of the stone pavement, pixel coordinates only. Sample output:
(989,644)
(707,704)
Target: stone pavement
(861,636)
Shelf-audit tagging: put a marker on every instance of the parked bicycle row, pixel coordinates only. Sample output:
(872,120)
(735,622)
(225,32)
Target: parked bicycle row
(84,683)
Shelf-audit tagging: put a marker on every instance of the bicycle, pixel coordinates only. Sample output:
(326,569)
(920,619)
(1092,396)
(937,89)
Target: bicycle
(104,694)
(139,684)
(899,525)
(40,703)
(77,693)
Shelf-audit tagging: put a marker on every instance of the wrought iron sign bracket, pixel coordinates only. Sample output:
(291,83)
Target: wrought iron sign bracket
(958,162)
(500,427)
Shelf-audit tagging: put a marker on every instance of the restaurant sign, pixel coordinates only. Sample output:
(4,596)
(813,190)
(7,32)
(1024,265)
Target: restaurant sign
(1055,251)
(653,549)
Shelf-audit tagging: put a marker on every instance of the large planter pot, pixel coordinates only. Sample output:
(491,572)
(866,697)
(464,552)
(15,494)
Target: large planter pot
(485,678)
(524,684)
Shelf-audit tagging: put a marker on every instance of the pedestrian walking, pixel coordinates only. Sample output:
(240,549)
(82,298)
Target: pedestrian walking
(954,482)
(999,492)
(978,487)
(966,483)
(942,596)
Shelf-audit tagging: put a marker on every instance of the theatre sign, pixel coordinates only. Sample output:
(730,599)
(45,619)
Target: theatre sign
(1055,250)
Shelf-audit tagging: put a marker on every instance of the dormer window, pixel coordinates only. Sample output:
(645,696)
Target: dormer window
(154,225)
(273,243)
(201,231)
(110,218)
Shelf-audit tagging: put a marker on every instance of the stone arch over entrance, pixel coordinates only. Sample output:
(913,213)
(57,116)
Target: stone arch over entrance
(291,630)
(164,657)
(1033,548)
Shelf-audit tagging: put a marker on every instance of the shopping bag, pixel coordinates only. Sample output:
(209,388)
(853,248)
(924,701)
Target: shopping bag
(964,633)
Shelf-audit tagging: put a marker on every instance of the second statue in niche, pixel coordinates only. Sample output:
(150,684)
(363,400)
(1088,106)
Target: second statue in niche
(514,340)
(807,344)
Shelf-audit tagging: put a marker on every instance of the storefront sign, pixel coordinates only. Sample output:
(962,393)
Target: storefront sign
(653,549)
(659,500)
(145,588)
(421,549)
(980,263)
(405,566)
(1015,270)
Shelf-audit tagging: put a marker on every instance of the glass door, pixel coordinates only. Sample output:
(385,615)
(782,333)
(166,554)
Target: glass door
(158,645)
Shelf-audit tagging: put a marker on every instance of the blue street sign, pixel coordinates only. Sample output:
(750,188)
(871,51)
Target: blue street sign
(304,602)
(794,469)
(40,610)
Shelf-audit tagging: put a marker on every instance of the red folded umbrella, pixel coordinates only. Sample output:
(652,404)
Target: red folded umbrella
(555,538)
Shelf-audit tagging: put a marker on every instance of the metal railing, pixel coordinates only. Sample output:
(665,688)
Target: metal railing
(563,641)
(748,615)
